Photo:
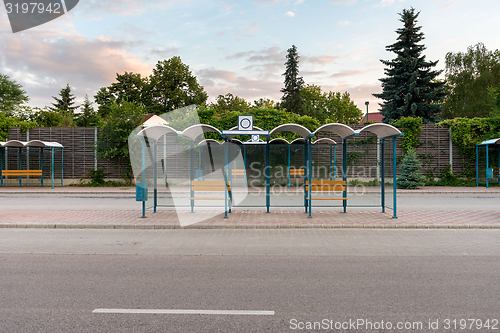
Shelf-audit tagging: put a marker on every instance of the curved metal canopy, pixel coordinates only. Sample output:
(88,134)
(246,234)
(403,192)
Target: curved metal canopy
(236,141)
(295,128)
(325,141)
(340,129)
(491,142)
(32,143)
(381,130)
(156,131)
(279,140)
(208,141)
(192,132)
(299,140)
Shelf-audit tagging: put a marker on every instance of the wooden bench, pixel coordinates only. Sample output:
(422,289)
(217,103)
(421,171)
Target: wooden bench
(240,173)
(202,186)
(328,186)
(297,172)
(20,173)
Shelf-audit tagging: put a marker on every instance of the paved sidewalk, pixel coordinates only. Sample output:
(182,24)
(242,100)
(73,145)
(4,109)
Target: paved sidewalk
(130,191)
(61,219)
(165,219)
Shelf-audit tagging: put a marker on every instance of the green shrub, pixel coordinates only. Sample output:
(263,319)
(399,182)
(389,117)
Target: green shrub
(410,177)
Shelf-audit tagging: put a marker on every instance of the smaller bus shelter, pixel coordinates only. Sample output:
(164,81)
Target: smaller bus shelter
(487,172)
(28,160)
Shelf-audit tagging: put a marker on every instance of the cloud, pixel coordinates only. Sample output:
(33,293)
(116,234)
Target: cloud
(344,23)
(359,93)
(345,2)
(321,59)
(220,82)
(123,7)
(446,3)
(270,54)
(44,61)
(249,30)
(349,73)
(290,14)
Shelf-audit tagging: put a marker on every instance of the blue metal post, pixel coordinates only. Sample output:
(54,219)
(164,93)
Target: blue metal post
(344,173)
(226,178)
(229,161)
(382,176)
(306,205)
(52,165)
(41,164)
(1,166)
(245,165)
(62,167)
(268,176)
(331,170)
(334,162)
(487,165)
(143,173)
(395,178)
(309,172)
(20,165)
(288,164)
(477,165)
(191,174)
(155,174)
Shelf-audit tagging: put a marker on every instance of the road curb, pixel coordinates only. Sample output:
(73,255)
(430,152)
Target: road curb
(244,226)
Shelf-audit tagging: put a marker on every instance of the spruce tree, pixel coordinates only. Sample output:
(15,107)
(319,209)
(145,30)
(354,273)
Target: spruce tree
(410,88)
(292,100)
(66,102)
(410,177)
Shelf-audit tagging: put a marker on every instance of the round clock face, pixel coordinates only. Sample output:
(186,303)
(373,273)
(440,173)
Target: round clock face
(245,123)
(255,138)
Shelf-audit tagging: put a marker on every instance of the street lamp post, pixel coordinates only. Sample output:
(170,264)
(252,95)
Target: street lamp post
(366,103)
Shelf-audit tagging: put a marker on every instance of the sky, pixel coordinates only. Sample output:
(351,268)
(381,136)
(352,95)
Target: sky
(236,47)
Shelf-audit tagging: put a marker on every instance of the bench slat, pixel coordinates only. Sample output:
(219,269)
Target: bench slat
(326,182)
(209,183)
(327,188)
(209,188)
(21,173)
(327,198)
(201,198)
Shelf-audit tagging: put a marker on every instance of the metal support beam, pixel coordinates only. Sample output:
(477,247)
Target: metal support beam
(344,173)
(309,173)
(155,179)
(268,176)
(382,174)
(395,178)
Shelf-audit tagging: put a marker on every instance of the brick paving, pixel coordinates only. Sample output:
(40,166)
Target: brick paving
(249,219)
(61,219)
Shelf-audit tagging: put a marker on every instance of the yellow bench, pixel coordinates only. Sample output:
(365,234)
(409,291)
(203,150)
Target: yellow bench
(326,186)
(19,173)
(201,186)
(297,172)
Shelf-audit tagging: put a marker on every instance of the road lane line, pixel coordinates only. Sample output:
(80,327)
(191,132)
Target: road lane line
(191,312)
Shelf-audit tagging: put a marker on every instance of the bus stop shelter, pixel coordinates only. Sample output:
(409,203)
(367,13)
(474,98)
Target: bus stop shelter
(488,172)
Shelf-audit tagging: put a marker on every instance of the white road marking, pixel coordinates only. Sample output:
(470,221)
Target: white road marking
(191,312)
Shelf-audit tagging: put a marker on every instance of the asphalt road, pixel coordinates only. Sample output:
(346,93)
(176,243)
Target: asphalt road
(108,202)
(53,280)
